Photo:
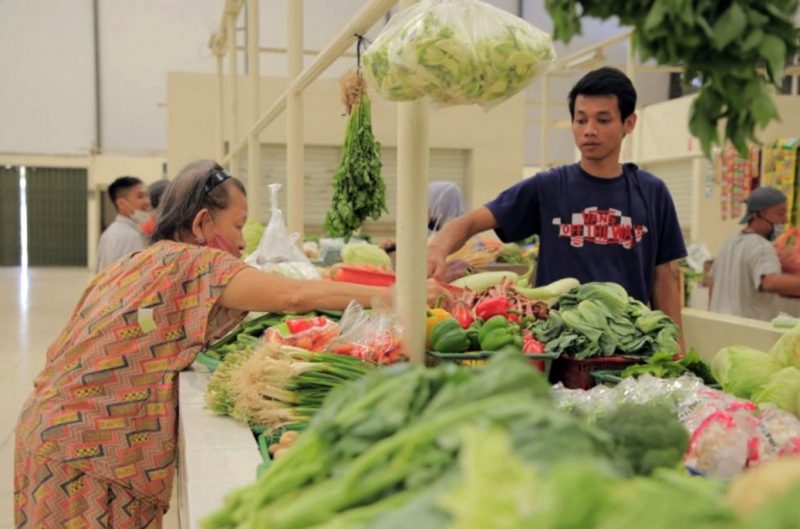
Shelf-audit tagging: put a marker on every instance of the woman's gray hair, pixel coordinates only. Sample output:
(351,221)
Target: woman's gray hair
(186,195)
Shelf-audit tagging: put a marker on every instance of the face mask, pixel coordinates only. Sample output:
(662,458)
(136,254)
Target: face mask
(777,230)
(221,243)
(139,216)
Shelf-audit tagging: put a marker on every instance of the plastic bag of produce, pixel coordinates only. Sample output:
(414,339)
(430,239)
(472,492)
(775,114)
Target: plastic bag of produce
(788,248)
(742,370)
(456,52)
(375,336)
(311,334)
(277,251)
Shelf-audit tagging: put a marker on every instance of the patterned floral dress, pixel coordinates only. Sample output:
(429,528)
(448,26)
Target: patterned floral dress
(96,441)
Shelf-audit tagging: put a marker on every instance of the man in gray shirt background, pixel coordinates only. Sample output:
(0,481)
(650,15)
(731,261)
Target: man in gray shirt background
(124,236)
(747,277)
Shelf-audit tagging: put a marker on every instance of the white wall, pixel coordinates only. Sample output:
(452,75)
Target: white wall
(47,87)
(46,49)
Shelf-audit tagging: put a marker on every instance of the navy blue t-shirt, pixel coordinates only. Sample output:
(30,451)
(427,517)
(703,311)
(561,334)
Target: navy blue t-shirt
(594,229)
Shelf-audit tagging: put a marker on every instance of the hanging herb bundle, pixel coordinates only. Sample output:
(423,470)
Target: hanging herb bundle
(359,191)
(735,47)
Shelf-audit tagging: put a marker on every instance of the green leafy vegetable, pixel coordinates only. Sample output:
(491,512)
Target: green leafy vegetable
(742,370)
(737,48)
(252,232)
(646,436)
(664,365)
(786,351)
(362,253)
(359,191)
(668,500)
(600,319)
(782,389)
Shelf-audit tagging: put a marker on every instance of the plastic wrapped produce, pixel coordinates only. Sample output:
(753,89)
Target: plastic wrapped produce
(456,52)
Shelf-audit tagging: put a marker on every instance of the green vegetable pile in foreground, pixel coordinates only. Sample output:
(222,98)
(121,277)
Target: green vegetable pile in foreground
(736,47)
(600,319)
(384,448)
(482,448)
(456,52)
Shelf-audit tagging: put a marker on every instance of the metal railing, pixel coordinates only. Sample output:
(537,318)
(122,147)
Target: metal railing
(412,144)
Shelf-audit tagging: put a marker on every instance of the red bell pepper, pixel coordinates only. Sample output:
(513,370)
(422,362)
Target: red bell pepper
(463,316)
(492,307)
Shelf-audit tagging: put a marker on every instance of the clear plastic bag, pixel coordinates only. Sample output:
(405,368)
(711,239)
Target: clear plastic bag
(375,336)
(311,334)
(277,251)
(457,52)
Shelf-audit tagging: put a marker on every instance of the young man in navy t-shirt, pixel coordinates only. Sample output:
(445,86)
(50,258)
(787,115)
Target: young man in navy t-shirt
(597,220)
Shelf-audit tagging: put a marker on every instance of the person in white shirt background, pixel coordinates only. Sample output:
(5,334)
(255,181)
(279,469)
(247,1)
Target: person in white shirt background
(124,236)
(747,277)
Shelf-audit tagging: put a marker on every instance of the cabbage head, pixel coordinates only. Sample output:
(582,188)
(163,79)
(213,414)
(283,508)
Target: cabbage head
(786,350)
(742,370)
(252,232)
(783,390)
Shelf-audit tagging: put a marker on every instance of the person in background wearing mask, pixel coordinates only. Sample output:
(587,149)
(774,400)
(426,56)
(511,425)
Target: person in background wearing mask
(124,236)
(746,275)
(154,190)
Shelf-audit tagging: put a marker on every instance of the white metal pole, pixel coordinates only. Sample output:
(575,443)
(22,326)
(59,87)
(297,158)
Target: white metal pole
(630,67)
(412,220)
(233,160)
(294,118)
(254,187)
(543,146)
(220,107)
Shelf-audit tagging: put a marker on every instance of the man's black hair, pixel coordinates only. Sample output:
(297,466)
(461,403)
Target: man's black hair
(120,185)
(603,82)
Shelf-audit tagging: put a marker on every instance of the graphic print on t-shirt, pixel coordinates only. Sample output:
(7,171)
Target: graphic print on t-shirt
(600,226)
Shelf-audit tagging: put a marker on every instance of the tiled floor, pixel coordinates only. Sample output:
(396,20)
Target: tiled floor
(35,308)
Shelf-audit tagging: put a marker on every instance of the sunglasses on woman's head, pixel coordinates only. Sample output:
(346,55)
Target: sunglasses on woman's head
(215,179)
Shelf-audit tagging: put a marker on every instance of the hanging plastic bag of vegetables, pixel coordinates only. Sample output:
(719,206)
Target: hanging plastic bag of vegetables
(457,52)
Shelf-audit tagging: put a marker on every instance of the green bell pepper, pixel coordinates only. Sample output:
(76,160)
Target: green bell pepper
(448,337)
(497,333)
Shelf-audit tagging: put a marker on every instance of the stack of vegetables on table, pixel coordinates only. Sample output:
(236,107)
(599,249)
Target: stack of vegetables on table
(728,434)
(456,52)
(451,447)
(601,319)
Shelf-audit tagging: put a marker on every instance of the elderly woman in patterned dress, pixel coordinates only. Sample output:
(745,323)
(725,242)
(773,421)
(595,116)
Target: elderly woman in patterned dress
(96,441)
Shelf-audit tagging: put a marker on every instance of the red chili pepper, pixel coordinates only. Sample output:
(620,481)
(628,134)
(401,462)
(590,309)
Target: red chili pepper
(463,316)
(492,307)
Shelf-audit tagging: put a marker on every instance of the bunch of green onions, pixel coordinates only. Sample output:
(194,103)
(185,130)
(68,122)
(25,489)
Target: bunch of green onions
(279,385)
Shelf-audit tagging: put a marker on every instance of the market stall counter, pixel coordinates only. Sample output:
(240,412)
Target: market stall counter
(216,454)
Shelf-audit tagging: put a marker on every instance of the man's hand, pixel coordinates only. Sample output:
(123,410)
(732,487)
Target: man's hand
(437,263)
(453,236)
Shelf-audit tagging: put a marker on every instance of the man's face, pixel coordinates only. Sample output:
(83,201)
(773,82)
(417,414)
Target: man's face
(132,199)
(598,127)
(776,214)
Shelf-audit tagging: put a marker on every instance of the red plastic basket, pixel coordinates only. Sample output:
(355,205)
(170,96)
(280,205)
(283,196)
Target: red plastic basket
(364,276)
(576,373)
